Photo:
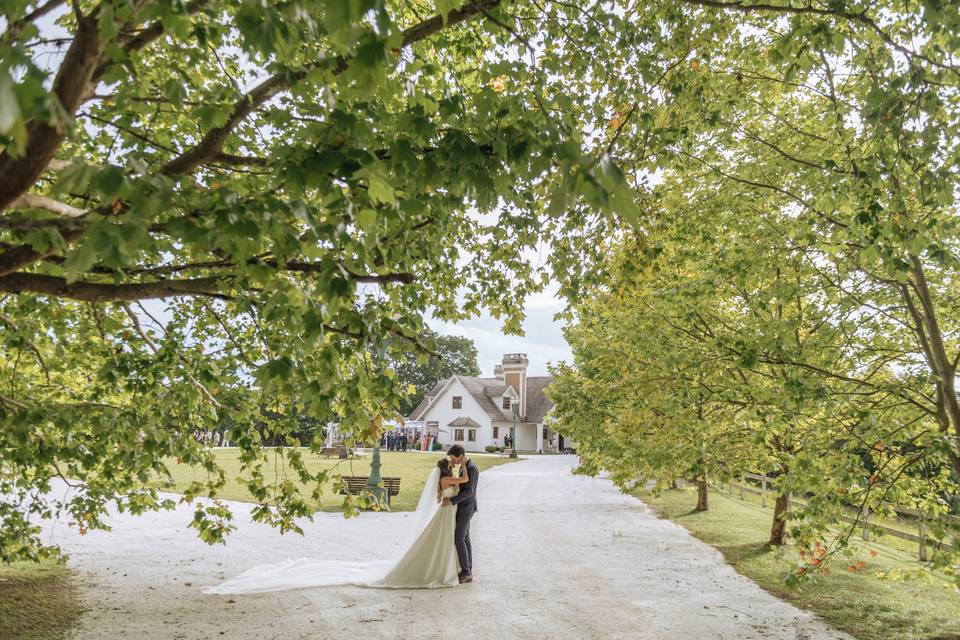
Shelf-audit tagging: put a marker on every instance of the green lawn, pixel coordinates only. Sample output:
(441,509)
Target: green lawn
(859,603)
(910,548)
(412,468)
(37,601)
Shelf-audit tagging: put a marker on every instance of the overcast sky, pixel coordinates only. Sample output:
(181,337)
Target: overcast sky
(543,341)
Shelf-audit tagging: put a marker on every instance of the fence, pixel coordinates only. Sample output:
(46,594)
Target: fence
(851,516)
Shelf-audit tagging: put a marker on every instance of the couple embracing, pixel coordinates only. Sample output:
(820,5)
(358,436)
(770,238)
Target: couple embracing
(458,491)
(437,552)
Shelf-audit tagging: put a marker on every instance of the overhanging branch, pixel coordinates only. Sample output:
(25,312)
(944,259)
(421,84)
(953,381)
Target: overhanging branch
(211,146)
(106,292)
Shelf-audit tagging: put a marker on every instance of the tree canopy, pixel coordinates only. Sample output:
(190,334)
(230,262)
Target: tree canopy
(796,263)
(215,210)
(450,355)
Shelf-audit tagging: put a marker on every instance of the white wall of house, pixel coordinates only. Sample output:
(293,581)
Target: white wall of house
(527,437)
(442,411)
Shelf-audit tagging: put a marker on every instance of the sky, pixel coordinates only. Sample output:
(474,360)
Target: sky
(543,341)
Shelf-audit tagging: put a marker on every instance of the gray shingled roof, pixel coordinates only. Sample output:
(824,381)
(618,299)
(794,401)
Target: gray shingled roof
(476,386)
(538,405)
(496,390)
(463,421)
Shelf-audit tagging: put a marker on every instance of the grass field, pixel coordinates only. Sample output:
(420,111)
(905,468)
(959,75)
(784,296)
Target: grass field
(859,603)
(37,601)
(412,468)
(900,524)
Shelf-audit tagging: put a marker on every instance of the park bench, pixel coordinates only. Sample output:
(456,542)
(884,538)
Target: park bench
(331,452)
(352,485)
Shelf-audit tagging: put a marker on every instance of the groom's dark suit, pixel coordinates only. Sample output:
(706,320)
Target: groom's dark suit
(466,502)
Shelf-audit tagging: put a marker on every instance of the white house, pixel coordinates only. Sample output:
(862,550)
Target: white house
(478,412)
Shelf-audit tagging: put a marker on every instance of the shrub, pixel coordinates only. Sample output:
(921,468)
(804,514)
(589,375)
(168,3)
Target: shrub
(490,448)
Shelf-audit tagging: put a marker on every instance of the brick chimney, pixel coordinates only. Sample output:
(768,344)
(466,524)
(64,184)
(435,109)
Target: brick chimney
(513,372)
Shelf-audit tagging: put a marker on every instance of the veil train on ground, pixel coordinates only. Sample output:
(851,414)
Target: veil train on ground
(301,573)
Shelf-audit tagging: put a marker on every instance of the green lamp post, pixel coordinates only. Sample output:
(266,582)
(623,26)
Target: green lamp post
(375,481)
(513,431)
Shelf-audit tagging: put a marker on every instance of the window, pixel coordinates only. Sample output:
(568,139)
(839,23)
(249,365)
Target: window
(472,435)
(496,432)
(457,402)
(433,426)
(458,435)
(506,402)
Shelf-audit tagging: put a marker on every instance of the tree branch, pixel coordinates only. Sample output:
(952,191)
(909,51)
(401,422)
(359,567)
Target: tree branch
(24,255)
(212,143)
(129,291)
(35,201)
(860,17)
(72,84)
(105,292)
(153,347)
(14,28)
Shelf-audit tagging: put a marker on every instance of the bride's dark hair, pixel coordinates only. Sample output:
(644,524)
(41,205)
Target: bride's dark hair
(444,465)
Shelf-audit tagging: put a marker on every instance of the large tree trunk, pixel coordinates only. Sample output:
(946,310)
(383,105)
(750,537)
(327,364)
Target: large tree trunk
(73,82)
(778,531)
(702,492)
(941,364)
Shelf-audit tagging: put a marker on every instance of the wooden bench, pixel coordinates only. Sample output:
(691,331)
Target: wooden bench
(352,485)
(334,452)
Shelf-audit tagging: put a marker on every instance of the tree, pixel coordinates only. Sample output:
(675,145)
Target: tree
(830,122)
(450,355)
(212,210)
(754,333)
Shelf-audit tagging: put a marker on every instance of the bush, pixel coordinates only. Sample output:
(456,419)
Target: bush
(491,449)
(437,446)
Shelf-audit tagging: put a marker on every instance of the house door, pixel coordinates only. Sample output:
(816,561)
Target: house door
(560,442)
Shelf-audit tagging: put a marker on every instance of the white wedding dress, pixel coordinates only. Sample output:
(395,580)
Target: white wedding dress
(428,559)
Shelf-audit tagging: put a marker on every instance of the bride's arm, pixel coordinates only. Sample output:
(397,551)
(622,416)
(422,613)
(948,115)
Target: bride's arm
(450,481)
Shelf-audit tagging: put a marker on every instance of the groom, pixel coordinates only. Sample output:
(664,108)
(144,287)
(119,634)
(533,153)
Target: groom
(466,502)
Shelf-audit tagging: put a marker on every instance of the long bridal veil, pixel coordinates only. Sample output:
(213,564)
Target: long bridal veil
(308,572)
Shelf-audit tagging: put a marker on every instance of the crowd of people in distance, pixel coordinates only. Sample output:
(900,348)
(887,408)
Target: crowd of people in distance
(400,441)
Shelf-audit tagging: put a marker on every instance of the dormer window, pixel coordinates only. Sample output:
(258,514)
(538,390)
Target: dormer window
(457,402)
(506,402)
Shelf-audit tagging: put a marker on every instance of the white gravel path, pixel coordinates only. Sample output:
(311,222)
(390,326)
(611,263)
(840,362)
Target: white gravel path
(557,556)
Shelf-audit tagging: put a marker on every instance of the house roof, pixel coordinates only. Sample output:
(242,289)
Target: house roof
(485,390)
(497,390)
(464,421)
(538,404)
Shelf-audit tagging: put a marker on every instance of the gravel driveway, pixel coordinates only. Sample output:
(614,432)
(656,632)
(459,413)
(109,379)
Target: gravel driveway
(556,556)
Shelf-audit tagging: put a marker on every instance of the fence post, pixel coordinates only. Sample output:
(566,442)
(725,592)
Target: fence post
(922,527)
(763,490)
(866,524)
(743,481)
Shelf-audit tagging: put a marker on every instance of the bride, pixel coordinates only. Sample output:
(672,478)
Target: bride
(428,560)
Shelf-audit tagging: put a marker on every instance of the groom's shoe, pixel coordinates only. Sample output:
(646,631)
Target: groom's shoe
(465,578)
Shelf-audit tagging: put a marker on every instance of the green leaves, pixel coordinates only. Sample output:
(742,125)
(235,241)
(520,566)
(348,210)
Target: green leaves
(108,183)
(378,185)
(444,7)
